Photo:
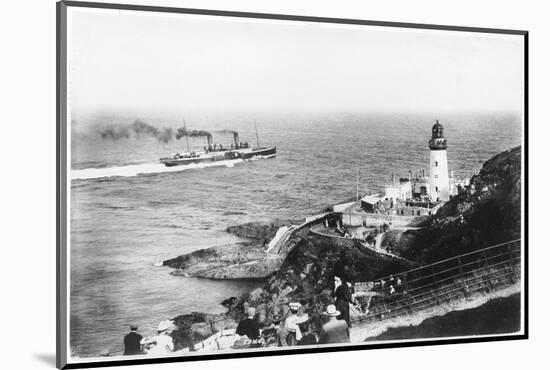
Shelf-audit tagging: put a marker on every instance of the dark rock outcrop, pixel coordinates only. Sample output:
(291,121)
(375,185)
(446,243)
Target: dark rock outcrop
(307,276)
(245,260)
(195,327)
(237,261)
(258,231)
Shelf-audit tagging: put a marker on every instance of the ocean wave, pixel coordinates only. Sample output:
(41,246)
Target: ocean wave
(143,169)
(232,213)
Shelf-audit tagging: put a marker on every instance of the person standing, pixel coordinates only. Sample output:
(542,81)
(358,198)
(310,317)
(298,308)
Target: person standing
(342,297)
(291,323)
(335,330)
(132,342)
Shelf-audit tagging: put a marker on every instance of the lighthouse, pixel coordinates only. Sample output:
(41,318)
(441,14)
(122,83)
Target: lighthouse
(439,172)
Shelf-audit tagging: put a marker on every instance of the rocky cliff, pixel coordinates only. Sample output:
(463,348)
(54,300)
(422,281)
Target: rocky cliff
(307,275)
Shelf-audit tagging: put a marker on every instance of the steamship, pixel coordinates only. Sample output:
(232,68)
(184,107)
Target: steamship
(213,152)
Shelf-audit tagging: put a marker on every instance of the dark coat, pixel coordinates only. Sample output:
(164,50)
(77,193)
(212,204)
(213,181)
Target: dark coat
(334,331)
(132,344)
(343,299)
(249,327)
(308,339)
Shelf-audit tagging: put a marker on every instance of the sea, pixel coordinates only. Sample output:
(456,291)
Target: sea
(128,211)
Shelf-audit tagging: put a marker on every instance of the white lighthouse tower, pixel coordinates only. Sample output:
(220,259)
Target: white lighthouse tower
(439,172)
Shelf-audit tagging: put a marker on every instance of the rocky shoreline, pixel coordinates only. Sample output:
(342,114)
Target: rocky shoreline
(244,260)
(485,213)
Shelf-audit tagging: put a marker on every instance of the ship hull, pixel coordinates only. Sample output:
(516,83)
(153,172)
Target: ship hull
(268,151)
(229,155)
(171,162)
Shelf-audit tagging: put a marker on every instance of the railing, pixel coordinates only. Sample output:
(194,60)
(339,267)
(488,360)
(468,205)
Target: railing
(311,220)
(424,287)
(350,242)
(445,281)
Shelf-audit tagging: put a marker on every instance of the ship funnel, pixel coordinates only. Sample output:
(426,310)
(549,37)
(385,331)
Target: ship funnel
(236,138)
(209,138)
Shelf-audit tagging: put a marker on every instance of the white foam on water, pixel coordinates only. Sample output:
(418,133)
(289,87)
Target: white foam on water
(258,157)
(142,169)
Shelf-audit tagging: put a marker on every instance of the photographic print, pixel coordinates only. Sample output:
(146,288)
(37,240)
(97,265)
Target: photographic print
(261,184)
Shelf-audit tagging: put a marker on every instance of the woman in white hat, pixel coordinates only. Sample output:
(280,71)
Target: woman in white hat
(291,323)
(161,343)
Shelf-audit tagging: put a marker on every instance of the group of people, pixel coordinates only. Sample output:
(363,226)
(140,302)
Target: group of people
(392,285)
(136,344)
(220,147)
(296,328)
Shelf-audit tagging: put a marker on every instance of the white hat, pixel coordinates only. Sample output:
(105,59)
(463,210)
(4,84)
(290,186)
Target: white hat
(164,325)
(332,311)
(294,305)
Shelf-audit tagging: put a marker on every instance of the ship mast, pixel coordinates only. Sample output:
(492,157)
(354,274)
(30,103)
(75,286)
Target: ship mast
(357,186)
(257,138)
(186,138)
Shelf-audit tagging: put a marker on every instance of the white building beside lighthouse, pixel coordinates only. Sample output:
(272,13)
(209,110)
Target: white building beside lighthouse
(439,171)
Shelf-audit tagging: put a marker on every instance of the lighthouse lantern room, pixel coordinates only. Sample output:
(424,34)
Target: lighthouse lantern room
(439,172)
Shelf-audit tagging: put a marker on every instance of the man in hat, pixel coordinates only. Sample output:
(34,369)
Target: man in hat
(132,342)
(334,331)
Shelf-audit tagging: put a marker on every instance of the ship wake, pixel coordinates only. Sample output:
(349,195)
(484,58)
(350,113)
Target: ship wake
(134,170)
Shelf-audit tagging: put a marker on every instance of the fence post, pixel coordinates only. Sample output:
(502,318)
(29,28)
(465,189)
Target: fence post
(434,282)
(511,251)
(461,272)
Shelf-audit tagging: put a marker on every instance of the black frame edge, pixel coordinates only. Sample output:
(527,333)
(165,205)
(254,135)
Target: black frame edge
(289,352)
(288,17)
(61,185)
(526,183)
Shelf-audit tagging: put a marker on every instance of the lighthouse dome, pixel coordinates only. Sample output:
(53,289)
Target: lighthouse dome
(437,126)
(437,130)
(438,141)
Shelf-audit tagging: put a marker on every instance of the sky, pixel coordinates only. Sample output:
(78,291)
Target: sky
(124,60)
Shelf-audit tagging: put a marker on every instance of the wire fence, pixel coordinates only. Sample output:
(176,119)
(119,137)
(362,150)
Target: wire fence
(444,281)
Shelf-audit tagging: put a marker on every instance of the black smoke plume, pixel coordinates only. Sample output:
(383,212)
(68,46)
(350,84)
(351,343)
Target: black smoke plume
(138,128)
(181,132)
(142,129)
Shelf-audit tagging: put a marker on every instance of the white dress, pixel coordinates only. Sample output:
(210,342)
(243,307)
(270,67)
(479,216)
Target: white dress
(164,345)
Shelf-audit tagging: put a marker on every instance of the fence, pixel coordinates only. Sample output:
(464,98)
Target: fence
(445,281)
